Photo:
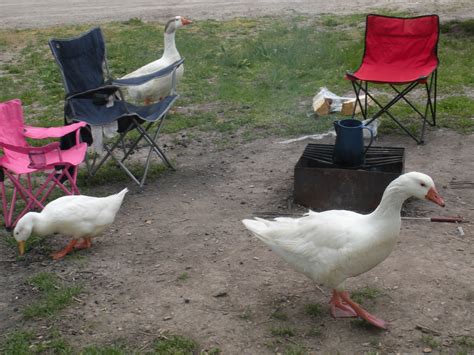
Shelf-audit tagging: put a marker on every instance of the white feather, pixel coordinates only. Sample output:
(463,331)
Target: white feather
(331,246)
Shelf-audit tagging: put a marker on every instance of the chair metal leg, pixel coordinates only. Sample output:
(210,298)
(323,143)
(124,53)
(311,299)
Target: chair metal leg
(384,109)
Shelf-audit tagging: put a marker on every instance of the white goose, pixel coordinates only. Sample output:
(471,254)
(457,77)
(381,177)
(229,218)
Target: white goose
(331,246)
(158,88)
(76,216)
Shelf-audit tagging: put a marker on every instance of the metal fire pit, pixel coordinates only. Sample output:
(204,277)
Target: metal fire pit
(322,185)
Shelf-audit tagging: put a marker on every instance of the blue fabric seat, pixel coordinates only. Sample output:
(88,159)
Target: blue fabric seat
(94,97)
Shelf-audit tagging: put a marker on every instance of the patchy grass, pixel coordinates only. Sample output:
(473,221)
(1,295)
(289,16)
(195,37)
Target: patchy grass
(313,309)
(212,351)
(430,341)
(111,172)
(105,350)
(175,345)
(465,341)
(282,331)
(183,276)
(33,242)
(314,332)
(295,350)
(24,342)
(246,314)
(54,295)
(458,28)
(17,343)
(280,315)
(253,76)
(365,293)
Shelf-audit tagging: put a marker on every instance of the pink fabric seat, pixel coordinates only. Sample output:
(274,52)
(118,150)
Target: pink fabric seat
(20,159)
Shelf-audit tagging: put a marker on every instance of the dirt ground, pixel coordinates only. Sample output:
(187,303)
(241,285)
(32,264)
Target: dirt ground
(34,13)
(188,221)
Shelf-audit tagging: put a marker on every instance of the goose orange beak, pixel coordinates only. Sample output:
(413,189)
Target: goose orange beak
(21,247)
(185,21)
(433,195)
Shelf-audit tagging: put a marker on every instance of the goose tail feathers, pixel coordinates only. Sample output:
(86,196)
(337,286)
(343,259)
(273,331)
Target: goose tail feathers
(259,227)
(122,193)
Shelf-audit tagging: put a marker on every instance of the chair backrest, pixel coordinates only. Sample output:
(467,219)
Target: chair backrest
(81,60)
(413,41)
(11,129)
(11,123)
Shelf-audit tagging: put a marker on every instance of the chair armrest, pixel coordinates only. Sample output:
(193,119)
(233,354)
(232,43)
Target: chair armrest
(100,93)
(37,155)
(139,80)
(27,150)
(51,132)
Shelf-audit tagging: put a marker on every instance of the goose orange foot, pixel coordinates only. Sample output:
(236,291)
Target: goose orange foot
(339,308)
(86,243)
(362,313)
(63,252)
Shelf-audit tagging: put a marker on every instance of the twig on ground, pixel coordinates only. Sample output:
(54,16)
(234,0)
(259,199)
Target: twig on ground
(425,329)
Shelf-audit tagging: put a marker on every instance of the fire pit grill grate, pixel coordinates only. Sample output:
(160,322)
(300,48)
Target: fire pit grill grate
(322,185)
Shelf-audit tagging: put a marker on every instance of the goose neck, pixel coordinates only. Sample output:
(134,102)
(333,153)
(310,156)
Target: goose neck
(170,45)
(40,226)
(392,201)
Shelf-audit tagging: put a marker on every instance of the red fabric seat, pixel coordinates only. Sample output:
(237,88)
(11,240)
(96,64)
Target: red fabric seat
(399,50)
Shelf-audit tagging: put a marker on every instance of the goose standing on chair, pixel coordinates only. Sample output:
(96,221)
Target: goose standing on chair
(332,246)
(156,89)
(77,216)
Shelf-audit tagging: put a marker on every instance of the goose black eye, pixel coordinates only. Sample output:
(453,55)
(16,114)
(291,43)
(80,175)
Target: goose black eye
(423,184)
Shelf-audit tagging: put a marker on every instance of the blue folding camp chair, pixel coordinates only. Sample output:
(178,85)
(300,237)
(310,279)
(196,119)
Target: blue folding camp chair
(92,96)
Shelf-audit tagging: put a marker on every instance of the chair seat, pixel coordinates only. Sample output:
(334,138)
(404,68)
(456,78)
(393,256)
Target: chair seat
(20,165)
(393,73)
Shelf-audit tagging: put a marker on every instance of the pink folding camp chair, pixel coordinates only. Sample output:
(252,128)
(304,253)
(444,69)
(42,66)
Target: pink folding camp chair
(400,52)
(20,161)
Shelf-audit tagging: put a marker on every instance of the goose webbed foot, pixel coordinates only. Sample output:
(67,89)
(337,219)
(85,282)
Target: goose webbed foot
(339,308)
(86,243)
(362,313)
(63,252)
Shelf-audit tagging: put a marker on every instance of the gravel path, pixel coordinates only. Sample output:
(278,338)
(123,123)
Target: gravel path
(41,13)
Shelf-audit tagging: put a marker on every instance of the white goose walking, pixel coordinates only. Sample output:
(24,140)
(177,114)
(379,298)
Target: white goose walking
(332,246)
(75,216)
(156,89)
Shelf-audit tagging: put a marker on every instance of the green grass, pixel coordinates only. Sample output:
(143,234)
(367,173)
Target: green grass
(17,343)
(175,345)
(183,276)
(282,331)
(295,350)
(212,351)
(111,172)
(105,350)
(313,309)
(53,296)
(246,314)
(24,342)
(465,342)
(365,293)
(430,341)
(280,315)
(252,76)
(314,331)
(33,242)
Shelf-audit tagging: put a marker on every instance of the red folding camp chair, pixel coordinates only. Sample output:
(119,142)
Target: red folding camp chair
(399,52)
(21,160)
